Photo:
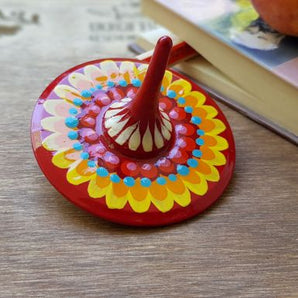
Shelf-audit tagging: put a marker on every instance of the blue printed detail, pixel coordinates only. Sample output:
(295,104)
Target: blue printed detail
(183,170)
(84,155)
(129,181)
(200,142)
(200,132)
(98,86)
(122,83)
(115,178)
(77,146)
(192,163)
(71,122)
(145,182)
(102,172)
(172,177)
(110,84)
(92,89)
(73,135)
(197,153)
(196,120)
(171,94)
(73,111)
(78,102)
(188,109)
(161,180)
(181,100)
(86,93)
(136,82)
(162,89)
(91,163)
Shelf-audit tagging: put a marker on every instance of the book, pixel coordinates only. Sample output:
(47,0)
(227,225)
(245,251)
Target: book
(208,77)
(200,70)
(230,36)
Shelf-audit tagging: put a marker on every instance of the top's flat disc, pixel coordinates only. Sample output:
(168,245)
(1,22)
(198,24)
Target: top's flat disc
(75,157)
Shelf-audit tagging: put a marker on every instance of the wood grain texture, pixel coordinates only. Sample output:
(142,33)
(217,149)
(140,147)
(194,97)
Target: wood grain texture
(246,245)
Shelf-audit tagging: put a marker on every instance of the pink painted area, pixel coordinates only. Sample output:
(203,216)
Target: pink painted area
(97,74)
(60,127)
(61,141)
(62,109)
(111,158)
(83,85)
(70,96)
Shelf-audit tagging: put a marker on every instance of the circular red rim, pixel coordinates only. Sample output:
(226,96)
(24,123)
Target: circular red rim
(153,217)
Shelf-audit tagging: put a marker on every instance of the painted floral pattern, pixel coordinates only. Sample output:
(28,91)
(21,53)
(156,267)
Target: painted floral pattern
(74,123)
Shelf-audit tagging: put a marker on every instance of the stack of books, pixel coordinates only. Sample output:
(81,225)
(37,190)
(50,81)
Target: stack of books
(241,59)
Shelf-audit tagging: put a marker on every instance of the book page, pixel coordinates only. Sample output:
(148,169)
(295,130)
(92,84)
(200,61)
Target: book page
(236,23)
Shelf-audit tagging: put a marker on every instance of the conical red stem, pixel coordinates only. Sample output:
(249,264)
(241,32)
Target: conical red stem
(145,104)
(147,131)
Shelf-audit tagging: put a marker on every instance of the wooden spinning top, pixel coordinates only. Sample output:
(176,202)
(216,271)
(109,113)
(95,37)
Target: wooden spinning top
(132,143)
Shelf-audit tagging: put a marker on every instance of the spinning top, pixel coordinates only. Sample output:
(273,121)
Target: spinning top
(133,143)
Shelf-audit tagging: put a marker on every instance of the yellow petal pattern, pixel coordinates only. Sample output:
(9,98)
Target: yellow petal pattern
(181,87)
(76,177)
(98,186)
(65,158)
(139,206)
(114,202)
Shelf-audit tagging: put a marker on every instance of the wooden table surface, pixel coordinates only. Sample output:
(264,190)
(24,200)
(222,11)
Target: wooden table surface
(246,245)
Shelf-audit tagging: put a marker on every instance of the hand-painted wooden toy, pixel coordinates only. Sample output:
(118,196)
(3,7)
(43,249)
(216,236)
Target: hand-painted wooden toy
(134,144)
